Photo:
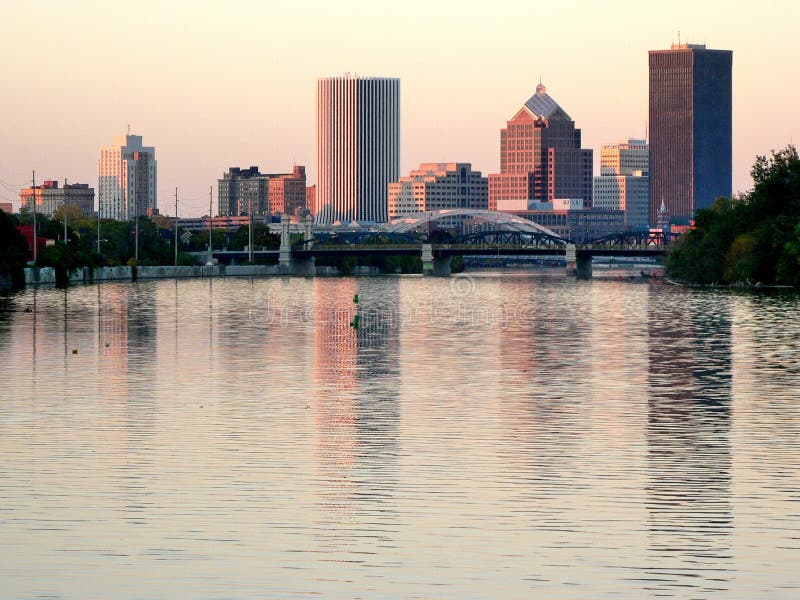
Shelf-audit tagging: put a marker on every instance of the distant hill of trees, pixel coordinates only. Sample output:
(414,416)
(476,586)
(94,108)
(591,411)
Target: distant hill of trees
(751,239)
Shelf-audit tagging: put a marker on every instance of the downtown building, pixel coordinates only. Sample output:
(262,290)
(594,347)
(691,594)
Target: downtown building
(623,183)
(690,129)
(248,191)
(541,158)
(436,186)
(358,147)
(48,198)
(127,179)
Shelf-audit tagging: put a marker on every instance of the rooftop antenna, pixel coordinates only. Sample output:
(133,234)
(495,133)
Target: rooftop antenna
(129,128)
(679,37)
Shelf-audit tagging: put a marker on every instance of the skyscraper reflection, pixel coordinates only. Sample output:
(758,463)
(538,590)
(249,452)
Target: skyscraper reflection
(688,483)
(357,407)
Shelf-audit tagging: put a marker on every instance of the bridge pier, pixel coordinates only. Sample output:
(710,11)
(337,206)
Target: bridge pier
(300,267)
(285,250)
(308,222)
(578,265)
(570,256)
(583,267)
(436,266)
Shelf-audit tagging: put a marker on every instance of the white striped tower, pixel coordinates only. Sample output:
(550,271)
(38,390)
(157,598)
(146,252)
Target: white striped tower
(358,147)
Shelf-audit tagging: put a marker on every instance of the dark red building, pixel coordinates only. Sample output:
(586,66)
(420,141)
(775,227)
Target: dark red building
(27,233)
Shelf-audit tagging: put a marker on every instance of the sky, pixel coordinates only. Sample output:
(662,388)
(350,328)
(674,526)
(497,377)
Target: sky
(219,84)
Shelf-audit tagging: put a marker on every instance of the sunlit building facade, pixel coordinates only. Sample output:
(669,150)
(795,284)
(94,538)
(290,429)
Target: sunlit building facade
(248,191)
(49,198)
(691,144)
(287,192)
(358,147)
(127,178)
(436,186)
(623,183)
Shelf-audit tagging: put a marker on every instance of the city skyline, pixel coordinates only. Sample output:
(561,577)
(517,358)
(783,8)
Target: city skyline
(62,106)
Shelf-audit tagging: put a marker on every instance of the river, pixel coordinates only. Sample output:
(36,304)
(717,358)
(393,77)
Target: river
(489,435)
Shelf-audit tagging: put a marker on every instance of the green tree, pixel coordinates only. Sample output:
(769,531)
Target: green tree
(751,239)
(13,252)
(262,238)
(76,218)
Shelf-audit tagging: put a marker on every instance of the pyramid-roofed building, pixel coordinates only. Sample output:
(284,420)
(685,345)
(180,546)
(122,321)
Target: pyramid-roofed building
(541,158)
(542,106)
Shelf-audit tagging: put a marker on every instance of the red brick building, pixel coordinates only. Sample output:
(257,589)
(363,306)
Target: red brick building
(287,193)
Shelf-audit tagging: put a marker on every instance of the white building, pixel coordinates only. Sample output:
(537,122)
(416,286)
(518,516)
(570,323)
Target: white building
(623,183)
(358,147)
(127,178)
(437,186)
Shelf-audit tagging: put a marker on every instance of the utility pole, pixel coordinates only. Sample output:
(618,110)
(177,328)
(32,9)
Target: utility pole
(35,248)
(135,223)
(176,227)
(33,189)
(98,222)
(210,225)
(250,232)
(66,197)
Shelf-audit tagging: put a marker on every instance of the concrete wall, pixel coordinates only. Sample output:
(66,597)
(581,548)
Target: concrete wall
(47,275)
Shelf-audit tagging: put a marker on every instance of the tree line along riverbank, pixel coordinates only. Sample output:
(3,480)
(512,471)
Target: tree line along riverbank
(751,239)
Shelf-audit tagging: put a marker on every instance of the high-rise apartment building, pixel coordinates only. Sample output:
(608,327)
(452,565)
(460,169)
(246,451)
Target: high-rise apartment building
(358,147)
(690,129)
(623,183)
(246,191)
(541,158)
(437,186)
(49,197)
(127,182)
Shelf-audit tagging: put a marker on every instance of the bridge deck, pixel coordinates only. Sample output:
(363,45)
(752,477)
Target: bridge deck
(442,251)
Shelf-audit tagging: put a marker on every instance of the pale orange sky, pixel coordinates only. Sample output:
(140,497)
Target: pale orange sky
(219,84)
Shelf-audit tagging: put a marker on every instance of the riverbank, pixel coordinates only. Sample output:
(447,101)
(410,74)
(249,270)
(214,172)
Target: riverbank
(47,275)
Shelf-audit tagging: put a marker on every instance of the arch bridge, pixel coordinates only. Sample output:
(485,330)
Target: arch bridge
(502,221)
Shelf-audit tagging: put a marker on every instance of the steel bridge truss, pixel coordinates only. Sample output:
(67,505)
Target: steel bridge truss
(516,239)
(632,240)
(363,238)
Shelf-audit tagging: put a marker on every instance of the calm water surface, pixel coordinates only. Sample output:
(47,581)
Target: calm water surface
(489,436)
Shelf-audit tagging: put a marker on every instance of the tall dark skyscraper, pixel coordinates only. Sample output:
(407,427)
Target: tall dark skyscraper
(690,129)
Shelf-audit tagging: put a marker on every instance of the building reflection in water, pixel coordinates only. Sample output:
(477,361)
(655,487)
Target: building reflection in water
(688,489)
(357,408)
(127,327)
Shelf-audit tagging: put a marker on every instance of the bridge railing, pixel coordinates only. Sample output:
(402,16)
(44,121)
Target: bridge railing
(358,247)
